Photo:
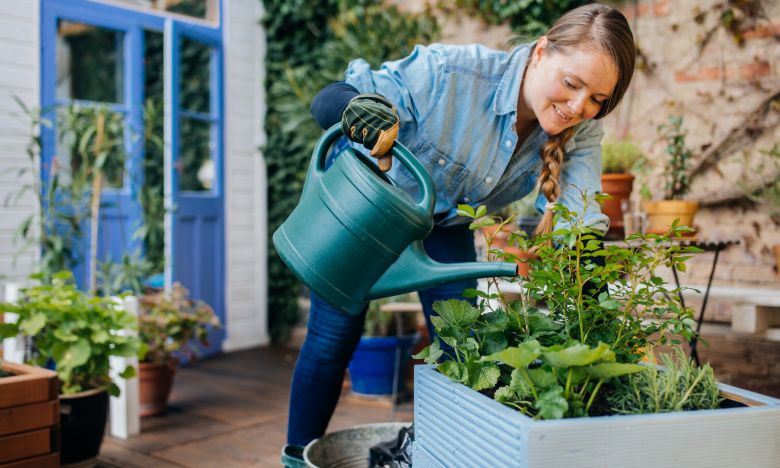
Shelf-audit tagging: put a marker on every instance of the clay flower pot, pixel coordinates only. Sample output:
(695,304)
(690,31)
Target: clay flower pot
(155,382)
(662,213)
(619,186)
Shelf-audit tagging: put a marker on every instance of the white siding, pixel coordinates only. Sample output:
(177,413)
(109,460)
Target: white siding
(19,77)
(245,176)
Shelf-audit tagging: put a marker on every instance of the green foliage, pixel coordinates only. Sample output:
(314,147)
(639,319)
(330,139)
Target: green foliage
(549,353)
(77,332)
(170,321)
(676,180)
(125,276)
(679,385)
(619,156)
(768,195)
(309,46)
(526,17)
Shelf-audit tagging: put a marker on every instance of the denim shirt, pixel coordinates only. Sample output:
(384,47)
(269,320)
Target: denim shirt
(457,106)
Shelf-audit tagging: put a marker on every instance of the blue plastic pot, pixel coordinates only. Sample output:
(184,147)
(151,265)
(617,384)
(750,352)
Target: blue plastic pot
(372,366)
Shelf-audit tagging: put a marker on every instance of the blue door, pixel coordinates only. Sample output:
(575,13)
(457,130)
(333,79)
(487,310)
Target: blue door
(193,167)
(192,140)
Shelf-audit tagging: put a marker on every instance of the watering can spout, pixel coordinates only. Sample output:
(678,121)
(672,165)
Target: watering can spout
(415,270)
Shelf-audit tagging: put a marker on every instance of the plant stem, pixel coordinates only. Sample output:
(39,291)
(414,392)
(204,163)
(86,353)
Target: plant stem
(593,395)
(97,186)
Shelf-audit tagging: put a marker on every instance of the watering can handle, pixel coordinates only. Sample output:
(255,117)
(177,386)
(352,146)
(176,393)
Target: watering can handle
(418,171)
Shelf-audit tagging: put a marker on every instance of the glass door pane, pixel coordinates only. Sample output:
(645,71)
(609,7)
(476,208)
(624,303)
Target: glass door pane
(89,63)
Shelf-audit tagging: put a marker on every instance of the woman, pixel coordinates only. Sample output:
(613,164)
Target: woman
(489,126)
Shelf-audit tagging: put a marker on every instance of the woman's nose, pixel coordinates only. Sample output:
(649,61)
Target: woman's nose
(577,104)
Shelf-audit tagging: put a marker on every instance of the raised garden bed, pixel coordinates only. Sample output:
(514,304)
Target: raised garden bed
(29,417)
(457,426)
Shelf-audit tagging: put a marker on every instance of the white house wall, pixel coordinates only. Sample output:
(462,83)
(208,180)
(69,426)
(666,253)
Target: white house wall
(245,176)
(19,77)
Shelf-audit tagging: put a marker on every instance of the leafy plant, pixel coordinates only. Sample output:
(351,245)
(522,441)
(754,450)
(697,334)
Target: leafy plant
(679,385)
(169,322)
(127,275)
(75,331)
(619,156)
(549,353)
(676,180)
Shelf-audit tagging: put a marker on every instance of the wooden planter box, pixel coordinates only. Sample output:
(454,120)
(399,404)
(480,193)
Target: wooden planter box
(29,417)
(457,426)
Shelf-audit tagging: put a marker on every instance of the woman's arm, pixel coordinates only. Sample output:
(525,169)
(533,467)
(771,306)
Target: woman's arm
(329,104)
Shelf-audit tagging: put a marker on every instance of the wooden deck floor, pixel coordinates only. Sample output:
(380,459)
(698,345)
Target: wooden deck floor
(230,411)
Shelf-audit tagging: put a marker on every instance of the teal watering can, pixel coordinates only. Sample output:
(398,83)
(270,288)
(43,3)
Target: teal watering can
(356,236)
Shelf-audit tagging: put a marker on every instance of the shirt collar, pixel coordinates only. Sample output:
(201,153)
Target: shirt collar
(509,86)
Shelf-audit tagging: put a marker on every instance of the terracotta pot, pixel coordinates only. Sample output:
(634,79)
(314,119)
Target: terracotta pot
(776,251)
(662,213)
(619,186)
(500,238)
(155,382)
(523,268)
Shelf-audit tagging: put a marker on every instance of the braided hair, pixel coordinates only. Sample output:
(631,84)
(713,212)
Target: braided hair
(592,25)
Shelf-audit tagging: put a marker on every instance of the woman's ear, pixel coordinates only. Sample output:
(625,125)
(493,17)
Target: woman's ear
(540,49)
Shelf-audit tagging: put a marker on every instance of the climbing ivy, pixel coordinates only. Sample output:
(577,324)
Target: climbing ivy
(309,46)
(527,18)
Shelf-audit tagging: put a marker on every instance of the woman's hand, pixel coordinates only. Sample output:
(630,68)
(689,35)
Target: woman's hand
(371,119)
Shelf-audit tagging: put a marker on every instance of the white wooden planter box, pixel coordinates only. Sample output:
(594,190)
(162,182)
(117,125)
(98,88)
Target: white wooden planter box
(459,427)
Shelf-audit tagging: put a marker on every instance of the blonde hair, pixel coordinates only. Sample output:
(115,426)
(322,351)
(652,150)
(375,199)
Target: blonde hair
(606,28)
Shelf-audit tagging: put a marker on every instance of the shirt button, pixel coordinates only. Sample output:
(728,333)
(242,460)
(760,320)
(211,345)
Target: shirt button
(508,143)
(489,180)
(466,199)
(442,161)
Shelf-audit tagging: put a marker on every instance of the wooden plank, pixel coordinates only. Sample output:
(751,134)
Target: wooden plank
(29,385)
(28,417)
(740,399)
(51,460)
(25,445)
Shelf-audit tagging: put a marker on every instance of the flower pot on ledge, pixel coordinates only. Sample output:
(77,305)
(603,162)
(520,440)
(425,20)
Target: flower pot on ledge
(457,426)
(155,383)
(619,187)
(662,213)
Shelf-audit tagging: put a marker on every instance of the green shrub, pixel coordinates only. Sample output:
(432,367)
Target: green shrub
(619,156)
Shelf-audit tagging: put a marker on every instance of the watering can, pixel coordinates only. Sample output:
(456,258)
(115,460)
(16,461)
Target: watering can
(356,236)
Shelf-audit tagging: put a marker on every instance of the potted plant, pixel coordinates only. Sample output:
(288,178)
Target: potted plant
(662,213)
(170,323)
(384,349)
(549,385)
(618,159)
(76,334)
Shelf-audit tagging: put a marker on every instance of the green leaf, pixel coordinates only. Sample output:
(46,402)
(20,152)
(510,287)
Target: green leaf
(577,355)
(430,353)
(32,325)
(505,394)
(128,373)
(542,378)
(518,357)
(72,355)
(520,385)
(456,312)
(481,211)
(8,330)
(482,376)
(113,390)
(551,403)
(454,371)
(608,370)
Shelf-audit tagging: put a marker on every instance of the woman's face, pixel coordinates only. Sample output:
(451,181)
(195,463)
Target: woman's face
(563,89)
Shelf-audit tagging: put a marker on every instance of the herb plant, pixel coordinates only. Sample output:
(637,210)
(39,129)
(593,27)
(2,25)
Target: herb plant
(676,180)
(679,386)
(619,157)
(585,317)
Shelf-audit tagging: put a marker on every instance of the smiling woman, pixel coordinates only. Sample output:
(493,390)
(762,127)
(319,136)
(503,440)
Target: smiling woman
(487,125)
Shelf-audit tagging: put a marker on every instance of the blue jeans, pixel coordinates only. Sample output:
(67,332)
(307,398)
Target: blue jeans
(333,336)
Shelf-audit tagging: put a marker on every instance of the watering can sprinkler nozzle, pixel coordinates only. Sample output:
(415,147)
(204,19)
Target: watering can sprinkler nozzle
(373,247)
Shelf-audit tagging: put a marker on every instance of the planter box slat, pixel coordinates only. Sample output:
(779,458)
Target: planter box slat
(456,426)
(31,385)
(29,417)
(25,445)
(51,460)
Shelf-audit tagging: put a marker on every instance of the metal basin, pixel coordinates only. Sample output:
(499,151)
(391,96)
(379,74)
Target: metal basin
(348,448)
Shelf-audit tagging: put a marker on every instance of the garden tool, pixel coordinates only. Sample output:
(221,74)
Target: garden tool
(356,236)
